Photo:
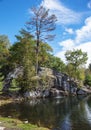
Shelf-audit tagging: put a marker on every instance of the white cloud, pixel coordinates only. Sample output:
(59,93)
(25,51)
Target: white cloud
(89,4)
(61,55)
(67,44)
(63,14)
(81,41)
(69,30)
(84,34)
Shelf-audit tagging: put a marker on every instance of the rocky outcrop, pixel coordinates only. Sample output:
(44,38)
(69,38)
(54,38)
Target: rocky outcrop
(56,84)
(51,83)
(60,81)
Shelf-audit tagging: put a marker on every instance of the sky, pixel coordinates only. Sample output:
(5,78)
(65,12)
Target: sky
(73,26)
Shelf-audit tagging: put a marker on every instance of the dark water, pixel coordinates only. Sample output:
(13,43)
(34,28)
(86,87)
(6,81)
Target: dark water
(73,113)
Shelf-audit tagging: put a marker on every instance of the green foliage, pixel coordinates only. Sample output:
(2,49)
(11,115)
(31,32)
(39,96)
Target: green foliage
(1,84)
(76,59)
(22,50)
(1,81)
(88,79)
(89,68)
(22,54)
(4,55)
(4,49)
(5,40)
(44,51)
(81,74)
(14,86)
(46,81)
(70,70)
(55,63)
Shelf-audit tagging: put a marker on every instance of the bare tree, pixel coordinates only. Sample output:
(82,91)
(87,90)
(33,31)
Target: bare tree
(40,25)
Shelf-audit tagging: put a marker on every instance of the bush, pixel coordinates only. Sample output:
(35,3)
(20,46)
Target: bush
(88,80)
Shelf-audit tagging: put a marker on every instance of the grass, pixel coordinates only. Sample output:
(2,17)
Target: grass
(18,125)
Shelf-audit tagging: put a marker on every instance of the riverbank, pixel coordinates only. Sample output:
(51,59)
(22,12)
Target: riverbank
(15,124)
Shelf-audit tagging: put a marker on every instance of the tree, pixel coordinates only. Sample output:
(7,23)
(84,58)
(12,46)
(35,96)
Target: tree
(56,63)
(89,67)
(1,81)
(5,40)
(4,48)
(23,47)
(44,53)
(4,56)
(40,25)
(88,80)
(77,58)
(69,69)
(22,54)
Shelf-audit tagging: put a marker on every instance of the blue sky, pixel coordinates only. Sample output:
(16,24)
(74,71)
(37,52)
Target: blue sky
(73,25)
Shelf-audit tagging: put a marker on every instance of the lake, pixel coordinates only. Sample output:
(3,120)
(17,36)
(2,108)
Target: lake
(69,113)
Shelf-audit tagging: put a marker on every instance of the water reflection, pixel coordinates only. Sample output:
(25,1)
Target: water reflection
(72,113)
(88,112)
(66,124)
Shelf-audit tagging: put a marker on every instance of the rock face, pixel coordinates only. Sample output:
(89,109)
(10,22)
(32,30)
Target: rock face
(37,94)
(62,83)
(57,84)
(12,75)
(81,92)
(51,82)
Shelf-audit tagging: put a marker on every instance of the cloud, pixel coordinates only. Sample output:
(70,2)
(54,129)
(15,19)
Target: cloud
(81,38)
(63,14)
(84,34)
(81,41)
(67,44)
(89,4)
(69,30)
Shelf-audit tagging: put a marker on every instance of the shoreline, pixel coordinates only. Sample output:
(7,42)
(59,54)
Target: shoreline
(11,124)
